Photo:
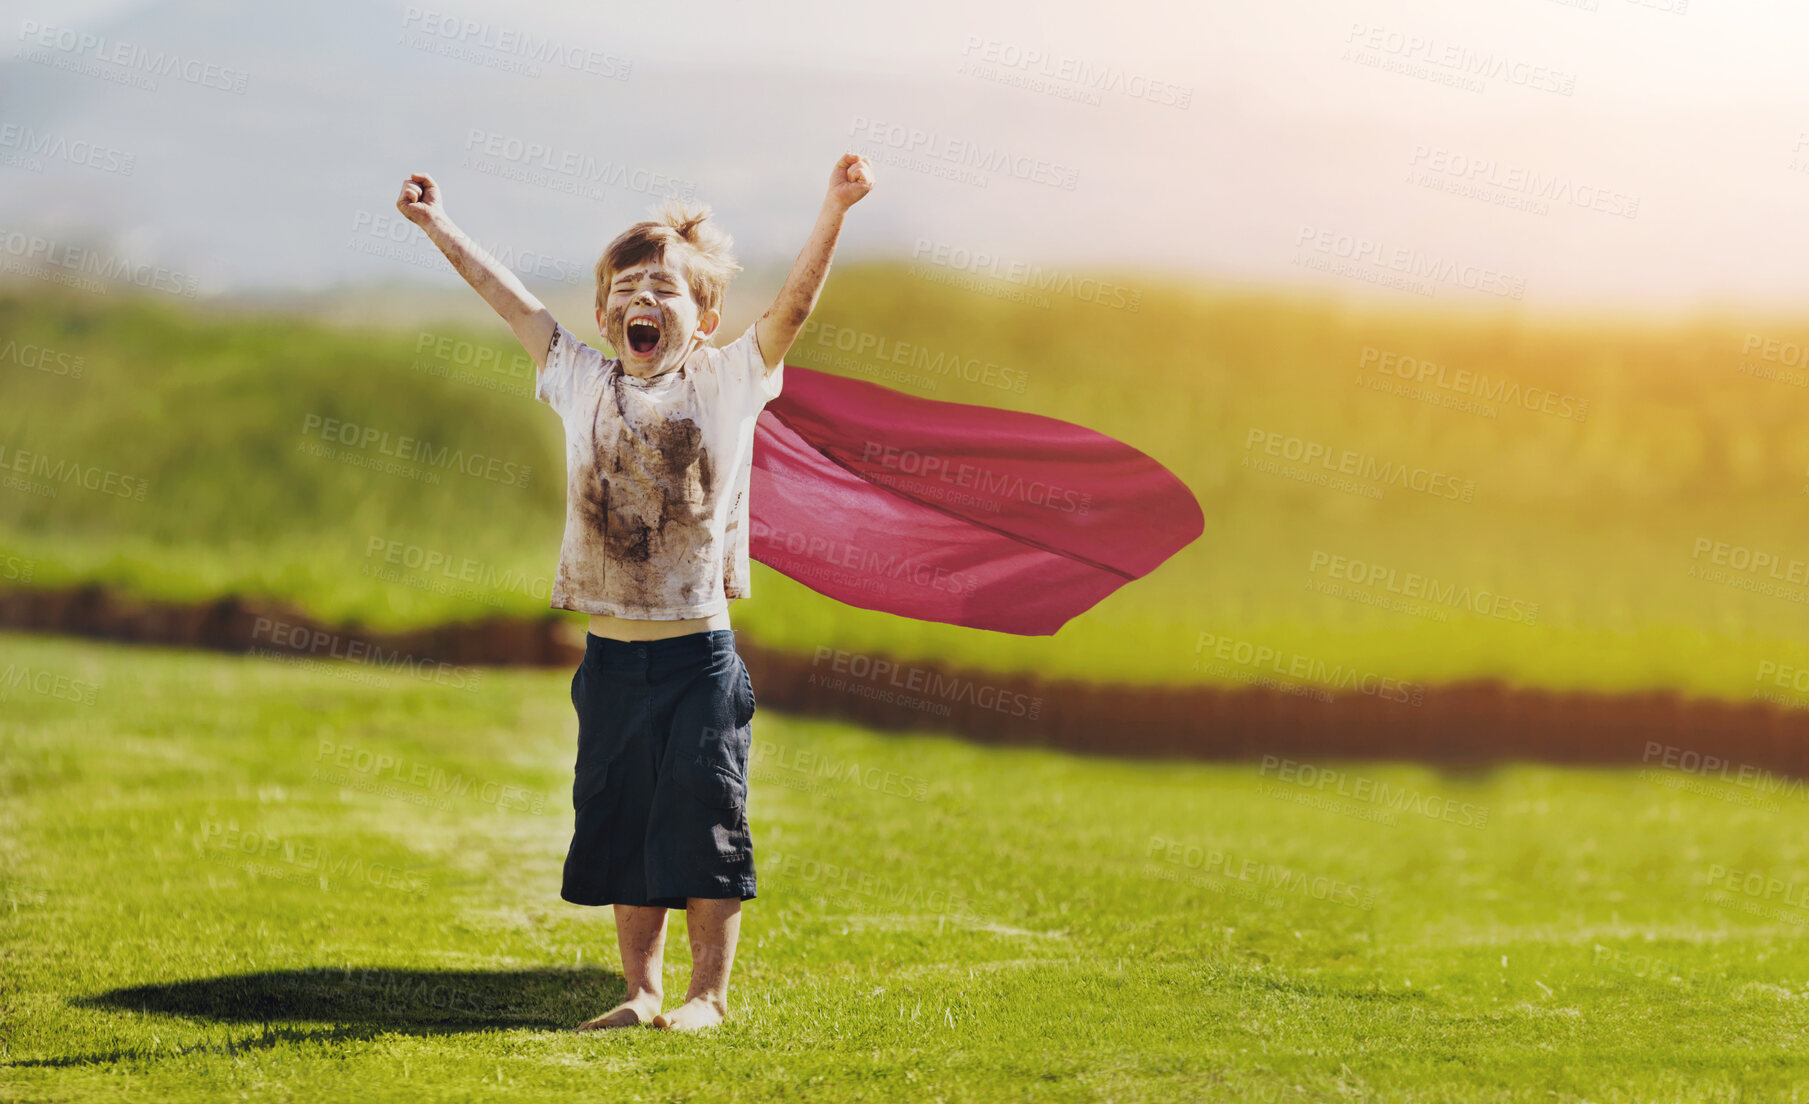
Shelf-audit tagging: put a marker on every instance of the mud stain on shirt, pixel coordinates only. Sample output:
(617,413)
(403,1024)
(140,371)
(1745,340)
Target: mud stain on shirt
(649,464)
(646,505)
(730,535)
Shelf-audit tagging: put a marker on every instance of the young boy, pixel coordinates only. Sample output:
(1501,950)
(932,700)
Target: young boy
(659,446)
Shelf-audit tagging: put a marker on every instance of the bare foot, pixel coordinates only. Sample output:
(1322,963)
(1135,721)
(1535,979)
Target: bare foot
(698,1012)
(630,1013)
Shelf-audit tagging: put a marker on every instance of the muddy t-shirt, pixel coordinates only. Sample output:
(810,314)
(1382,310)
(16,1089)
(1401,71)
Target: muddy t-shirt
(657,474)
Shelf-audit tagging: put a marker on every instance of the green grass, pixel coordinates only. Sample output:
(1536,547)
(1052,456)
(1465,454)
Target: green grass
(1593,520)
(999,925)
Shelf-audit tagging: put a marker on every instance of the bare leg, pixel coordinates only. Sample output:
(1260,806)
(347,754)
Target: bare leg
(714,924)
(641,935)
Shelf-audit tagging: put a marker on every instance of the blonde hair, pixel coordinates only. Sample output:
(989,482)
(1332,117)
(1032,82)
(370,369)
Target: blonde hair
(679,228)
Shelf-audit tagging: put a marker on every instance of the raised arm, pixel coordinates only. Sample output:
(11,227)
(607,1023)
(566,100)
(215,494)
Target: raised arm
(851,179)
(532,323)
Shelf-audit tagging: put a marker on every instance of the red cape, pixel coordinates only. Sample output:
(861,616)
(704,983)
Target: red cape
(951,512)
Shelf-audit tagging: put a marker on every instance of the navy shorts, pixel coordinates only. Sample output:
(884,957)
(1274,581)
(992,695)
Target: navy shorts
(660,785)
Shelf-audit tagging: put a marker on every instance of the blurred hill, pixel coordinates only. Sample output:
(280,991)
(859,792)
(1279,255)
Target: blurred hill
(1609,474)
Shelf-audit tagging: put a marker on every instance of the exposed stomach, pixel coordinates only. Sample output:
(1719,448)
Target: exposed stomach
(633,628)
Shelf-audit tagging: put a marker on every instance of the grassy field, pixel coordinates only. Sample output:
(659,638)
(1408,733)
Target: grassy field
(1619,475)
(235,877)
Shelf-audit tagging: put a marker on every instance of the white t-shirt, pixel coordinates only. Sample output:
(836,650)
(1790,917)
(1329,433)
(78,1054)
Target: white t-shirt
(657,476)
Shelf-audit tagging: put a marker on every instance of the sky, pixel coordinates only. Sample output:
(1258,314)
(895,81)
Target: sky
(1644,155)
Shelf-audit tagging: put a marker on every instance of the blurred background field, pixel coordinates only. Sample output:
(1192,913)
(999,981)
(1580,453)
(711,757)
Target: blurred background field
(1585,518)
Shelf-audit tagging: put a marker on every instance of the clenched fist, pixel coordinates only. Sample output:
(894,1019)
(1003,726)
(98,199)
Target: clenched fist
(851,179)
(420,200)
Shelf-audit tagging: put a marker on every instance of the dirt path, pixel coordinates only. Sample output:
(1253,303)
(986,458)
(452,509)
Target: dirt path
(1470,723)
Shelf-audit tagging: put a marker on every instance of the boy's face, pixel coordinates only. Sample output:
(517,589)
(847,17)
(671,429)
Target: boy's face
(649,318)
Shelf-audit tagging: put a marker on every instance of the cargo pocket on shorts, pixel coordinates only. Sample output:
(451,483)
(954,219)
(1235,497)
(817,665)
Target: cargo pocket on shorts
(715,770)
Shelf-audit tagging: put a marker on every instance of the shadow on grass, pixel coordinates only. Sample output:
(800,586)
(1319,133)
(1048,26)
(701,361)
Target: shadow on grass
(360,1002)
(383,998)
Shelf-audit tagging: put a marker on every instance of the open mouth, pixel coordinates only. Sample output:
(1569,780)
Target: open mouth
(643,336)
